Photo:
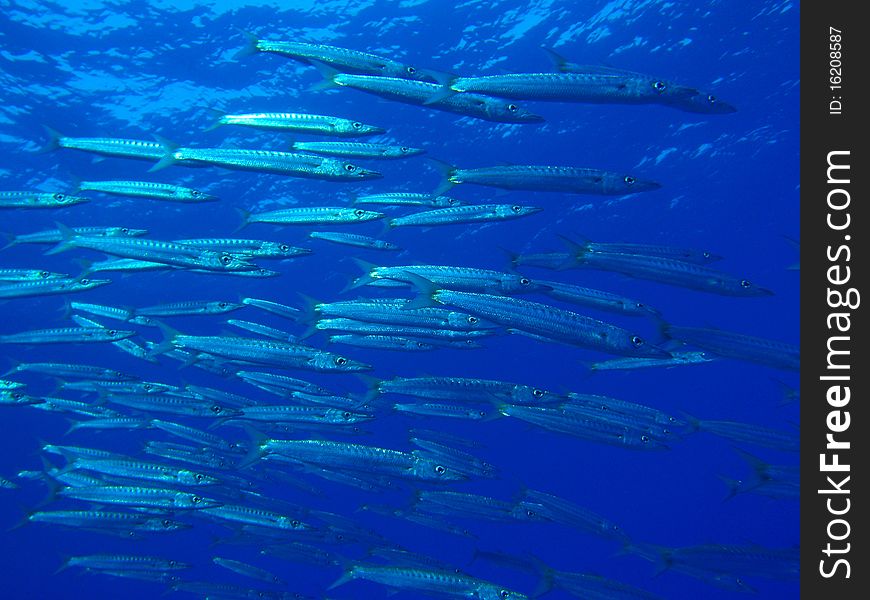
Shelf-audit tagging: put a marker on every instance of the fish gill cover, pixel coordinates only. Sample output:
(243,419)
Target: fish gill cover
(546,347)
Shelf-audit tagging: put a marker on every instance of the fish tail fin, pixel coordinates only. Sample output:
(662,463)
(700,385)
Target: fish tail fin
(217,116)
(559,62)
(363,279)
(512,258)
(373,387)
(425,291)
(63,567)
(734,486)
(445,80)
(446,170)
(165,344)
(256,451)
(251,47)
(10,240)
(308,314)
(168,158)
(328,73)
(246,219)
(67,241)
(576,248)
(546,575)
(693,424)
(54,137)
(85,265)
(346,575)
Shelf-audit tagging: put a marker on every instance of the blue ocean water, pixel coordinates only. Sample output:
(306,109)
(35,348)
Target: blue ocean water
(729,185)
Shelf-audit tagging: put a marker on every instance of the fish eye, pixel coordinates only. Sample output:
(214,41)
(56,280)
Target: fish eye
(482,413)
(440,469)
(345,415)
(516,208)
(112,333)
(124,230)
(711,99)
(530,512)
(226,259)
(644,438)
(356,124)
(421,345)
(341,361)
(284,248)
(349,168)
(504,594)
(452,201)
(216,409)
(472,320)
(405,149)
(172,563)
(706,255)
(44,274)
(359,212)
(659,86)
(196,499)
(166,522)
(525,281)
(60,197)
(411,70)
(512,107)
(198,477)
(294,523)
(222,304)
(636,341)
(629,179)
(146,387)
(194,193)
(538,393)
(745,283)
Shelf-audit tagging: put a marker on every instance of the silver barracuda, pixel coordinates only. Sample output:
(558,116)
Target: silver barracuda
(13,275)
(136,469)
(254,248)
(317,215)
(147,189)
(190,307)
(468,389)
(146,497)
(454,278)
(729,344)
(397,311)
(125,148)
(353,239)
(301,123)
(384,342)
(53,236)
(469,213)
(597,299)
(39,200)
(358,149)
(45,287)
(63,335)
(408,199)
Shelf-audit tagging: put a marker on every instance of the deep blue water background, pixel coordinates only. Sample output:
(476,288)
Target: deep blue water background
(729,185)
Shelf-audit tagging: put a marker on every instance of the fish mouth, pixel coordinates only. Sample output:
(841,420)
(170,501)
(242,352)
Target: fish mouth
(642,185)
(760,291)
(531,118)
(367,174)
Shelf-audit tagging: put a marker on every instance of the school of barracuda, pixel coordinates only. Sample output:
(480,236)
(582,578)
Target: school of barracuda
(206,451)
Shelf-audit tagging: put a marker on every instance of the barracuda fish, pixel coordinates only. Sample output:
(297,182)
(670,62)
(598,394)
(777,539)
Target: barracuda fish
(542,321)
(459,460)
(283,382)
(24,275)
(670,94)
(383,342)
(282,310)
(251,515)
(545,178)
(173,404)
(99,520)
(44,287)
(747,433)
(15,398)
(222,396)
(136,469)
(596,85)
(353,239)
(169,253)
(6,385)
(428,581)
(255,248)
(353,457)
(422,93)
(536,505)
(470,213)
(357,150)
(125,265)
(773,481)
(265,161)
(423,331)
(593,587)
(107,146)
(678,357)
(464,505)
(612,406)
(318,215)
(148,189)
(110,312)
(264,351)
(301,414)
(203,457)
(120,387)
(597,299)
(146,497)
(104,423)
(408,199)
(120,562)
(442,409)
(53,236)
(38,200)
(194,435)
(66,335)
(237,566)
(691,255)
(728,559)
(263,330)
(189,308)
(468,389)
(397,311)
(455,278)
(300,123)
(729,344)
(74,406)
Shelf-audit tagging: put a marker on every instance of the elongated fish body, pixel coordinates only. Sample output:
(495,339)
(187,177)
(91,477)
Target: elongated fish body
(590,585)
(268,161)
(49,286)
(251,515)
(464,505)
(365,328)
(593,85)
(160,251)
(576,180)
(194,435)
(455,278)
(469,213)
(246,570)
(597,299)
(6,385)
(146,497)
(302,123)
(136,469)
(383,342)
(102,562)
(52,236)
(263,330)
(672,272)
(691,255)
(192,307)
(282,381)
(345,59)
(74,406)
(15,398)
(421,93)
(746,560)
(737,345)
(126,148)
(71,335)
(748,433)
(316,215)
(670,94)
(471,389)
(397,311)
(353,239)
(442,409)
(551,323)
(110,312)
(100,519)
(19,275)
(408,199)
(125,265)
(282,310)
(558,510)
(255,248)
(38,200)
(688,357)
(147,189)
(301,414)
(357,149)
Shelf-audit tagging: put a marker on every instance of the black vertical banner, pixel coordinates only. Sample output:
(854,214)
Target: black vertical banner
(835,363)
